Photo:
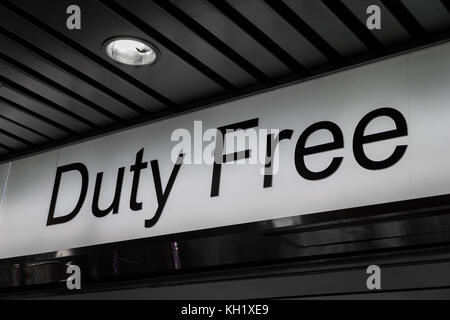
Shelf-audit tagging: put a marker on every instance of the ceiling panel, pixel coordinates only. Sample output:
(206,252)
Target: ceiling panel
(191,38)
(334,31)
(273,25)
(167,77)
(31,120)
(29,62)
(58,86)
(46,93)
(431,14)
(62,55)
(237,38)
(55,115)
(20,130)
(391,31)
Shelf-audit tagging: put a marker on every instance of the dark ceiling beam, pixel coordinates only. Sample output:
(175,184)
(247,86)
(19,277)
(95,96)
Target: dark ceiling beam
(304,29)
(58,87)
(169,44)
(21,125)
(17,138)
(211,39)
(37,116)
(69,70)
(88,54)
(405,18)
(35,96)
(352,22)
(446,4)
(6,148)
(242,22)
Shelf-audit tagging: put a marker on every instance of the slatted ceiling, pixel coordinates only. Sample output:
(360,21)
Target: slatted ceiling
(175,65)
(274,26)
(11,141)
(57,118)
(30,123)
(87,54)
(264,40)
(62,79)
(334,31)
(193,39)
(21,131)
(235,37)
(84,91)
(404,16)
(4,152)
(309,34)
(359,29)
(62,57)
(43,93)
(31,120)
(244,72)
(59,85)
(446,4)
(392,31)
(168,76)
(431,14)
(34,120)
(47,91)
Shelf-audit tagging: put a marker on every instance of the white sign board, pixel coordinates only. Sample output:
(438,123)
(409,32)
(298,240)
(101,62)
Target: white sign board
(371,135)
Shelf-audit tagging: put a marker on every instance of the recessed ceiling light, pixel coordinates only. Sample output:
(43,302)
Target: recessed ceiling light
(131,51)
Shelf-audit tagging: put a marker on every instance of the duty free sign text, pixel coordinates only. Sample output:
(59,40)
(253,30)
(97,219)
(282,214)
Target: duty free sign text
(302,150)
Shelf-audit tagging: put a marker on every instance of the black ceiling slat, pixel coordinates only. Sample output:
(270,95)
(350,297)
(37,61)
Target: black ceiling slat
(169,44)
(15,137)
(9,149)
(405,17)
(26,128)
(58,87)
(88,54)
(446,4)
(354,24)
(34,96)
(71,70)
(209,37)
(304,29)
(38,116)
(236,17)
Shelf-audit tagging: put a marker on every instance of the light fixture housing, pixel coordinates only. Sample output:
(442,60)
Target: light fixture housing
(131,51)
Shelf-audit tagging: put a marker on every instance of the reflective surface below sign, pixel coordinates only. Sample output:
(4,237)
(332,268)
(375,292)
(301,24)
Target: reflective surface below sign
(361,233)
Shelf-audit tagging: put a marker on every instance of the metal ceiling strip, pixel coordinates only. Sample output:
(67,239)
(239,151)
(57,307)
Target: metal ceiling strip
(16,137)
(38,116)
(353,23)
(270,45)
(37,97)
(431,14)
(86,53)
(446,4)
(6,148)
(57,87)
(166,42)
(22,130)
(304,29)
(52,60)
(405,17)
(209,37)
